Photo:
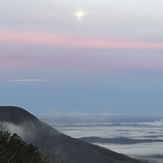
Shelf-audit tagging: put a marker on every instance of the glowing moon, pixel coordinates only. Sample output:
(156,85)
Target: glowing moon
(80,14)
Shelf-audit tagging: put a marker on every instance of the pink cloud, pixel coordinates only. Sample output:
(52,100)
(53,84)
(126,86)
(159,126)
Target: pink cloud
(62,40)
(43,62)
(9,61)
(90,62)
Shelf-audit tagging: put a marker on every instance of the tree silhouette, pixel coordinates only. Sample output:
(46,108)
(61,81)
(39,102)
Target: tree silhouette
(14,150)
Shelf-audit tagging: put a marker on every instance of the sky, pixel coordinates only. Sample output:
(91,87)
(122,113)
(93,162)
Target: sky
(82,57)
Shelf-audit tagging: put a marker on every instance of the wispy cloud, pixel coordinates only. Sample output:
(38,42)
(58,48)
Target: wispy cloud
(27,80)
(72,41)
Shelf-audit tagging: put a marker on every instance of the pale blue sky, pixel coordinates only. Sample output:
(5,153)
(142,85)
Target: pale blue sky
(108,61)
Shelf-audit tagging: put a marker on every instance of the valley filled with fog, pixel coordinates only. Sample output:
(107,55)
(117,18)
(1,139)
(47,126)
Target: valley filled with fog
(138,137)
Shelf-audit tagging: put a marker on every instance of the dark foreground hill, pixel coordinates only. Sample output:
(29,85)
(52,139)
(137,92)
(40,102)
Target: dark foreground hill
(51,141)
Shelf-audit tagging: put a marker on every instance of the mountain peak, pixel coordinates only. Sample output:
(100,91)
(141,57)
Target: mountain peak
(15,115)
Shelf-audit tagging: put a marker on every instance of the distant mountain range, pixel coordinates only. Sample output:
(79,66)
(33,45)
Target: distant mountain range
(118,140)
(49,140)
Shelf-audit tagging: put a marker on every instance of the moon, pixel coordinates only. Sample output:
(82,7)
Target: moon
(80,14)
